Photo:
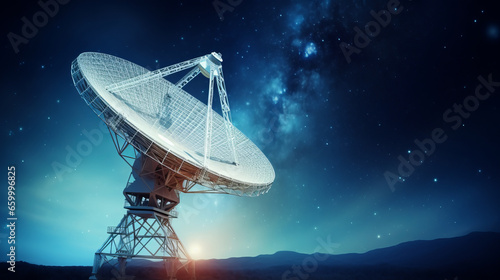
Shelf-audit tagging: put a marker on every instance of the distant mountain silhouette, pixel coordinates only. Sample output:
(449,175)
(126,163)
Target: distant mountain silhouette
(478,248)
(474,256)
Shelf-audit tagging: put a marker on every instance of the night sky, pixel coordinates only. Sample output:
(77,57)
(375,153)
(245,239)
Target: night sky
(418,92)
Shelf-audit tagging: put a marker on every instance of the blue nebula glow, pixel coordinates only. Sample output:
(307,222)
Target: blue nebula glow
(310,50)
(298,20)
(493,32)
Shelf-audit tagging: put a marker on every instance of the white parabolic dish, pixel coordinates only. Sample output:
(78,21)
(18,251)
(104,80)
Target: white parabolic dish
(157,113)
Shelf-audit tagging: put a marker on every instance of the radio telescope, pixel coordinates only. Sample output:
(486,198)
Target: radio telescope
(172,141)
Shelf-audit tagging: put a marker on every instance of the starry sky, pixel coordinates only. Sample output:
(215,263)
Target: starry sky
(377,137)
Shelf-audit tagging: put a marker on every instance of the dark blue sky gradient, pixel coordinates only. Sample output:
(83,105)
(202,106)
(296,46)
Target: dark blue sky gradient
(330,128)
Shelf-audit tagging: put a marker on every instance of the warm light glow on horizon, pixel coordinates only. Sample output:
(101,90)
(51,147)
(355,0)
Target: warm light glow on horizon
(195,251)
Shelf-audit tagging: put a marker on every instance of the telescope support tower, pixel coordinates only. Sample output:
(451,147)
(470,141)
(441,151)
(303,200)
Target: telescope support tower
(145,232)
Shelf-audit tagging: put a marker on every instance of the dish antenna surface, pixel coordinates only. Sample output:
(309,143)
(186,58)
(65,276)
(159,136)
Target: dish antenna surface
(173,142)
